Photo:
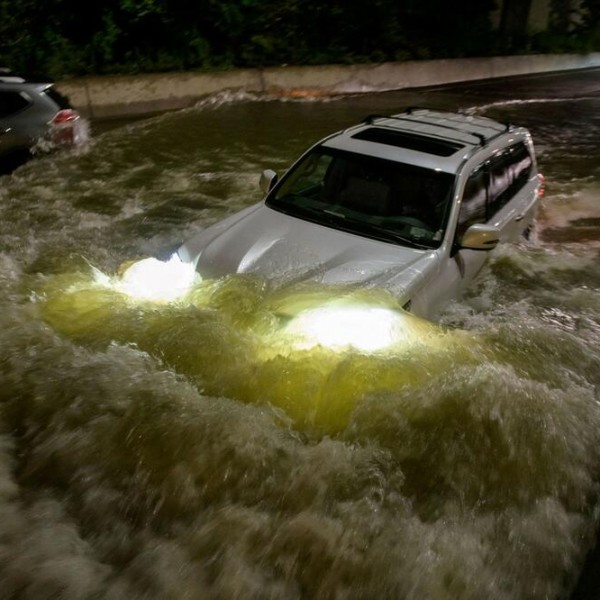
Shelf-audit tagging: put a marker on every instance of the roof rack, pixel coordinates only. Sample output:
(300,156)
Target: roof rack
(370,120)
(482,138)
(411,109)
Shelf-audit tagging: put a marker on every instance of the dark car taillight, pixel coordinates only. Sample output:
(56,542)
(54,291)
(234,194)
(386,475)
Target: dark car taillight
(542,186)
(62,126)
(65,116)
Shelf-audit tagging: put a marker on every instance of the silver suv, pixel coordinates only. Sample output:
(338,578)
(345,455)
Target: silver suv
(35,116)
(412,202)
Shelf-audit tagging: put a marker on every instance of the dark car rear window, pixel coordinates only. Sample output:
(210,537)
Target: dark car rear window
(410,141)
(11,103)
(62,101)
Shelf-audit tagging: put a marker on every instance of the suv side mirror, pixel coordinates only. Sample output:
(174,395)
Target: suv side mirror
(268,179)
(480,237)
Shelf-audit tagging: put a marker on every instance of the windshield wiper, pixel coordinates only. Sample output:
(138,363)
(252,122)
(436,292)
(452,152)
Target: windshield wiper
(344,222)
(314,214)
(355,225)
(334,213)
(403,239)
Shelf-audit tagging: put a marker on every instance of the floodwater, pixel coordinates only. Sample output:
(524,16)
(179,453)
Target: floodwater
(191,450)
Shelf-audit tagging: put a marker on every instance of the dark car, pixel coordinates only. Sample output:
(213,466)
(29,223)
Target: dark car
(34,116)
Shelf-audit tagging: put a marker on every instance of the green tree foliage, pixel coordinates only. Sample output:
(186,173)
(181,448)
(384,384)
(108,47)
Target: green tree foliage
(589,26)
(574,27)
(513,24)
(61,38)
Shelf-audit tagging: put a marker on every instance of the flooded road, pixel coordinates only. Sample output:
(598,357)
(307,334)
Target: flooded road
(188,450)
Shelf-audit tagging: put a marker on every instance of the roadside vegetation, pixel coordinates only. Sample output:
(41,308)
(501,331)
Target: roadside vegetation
(61,39)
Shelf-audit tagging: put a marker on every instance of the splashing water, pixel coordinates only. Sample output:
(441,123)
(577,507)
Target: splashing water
(190,447)
(157,280)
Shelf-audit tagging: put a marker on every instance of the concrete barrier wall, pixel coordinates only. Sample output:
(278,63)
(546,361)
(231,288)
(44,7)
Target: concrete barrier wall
(122,96)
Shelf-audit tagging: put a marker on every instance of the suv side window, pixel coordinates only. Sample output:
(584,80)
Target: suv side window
(11,103)
(522,165)
(491,185)
(473,208)
(509,172)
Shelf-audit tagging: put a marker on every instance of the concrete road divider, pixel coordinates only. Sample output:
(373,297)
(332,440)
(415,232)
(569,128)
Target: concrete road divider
(138,95)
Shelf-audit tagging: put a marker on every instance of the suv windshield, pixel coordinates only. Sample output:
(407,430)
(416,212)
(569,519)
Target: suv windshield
(373,197)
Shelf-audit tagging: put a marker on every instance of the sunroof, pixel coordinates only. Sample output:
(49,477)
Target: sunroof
(410,141)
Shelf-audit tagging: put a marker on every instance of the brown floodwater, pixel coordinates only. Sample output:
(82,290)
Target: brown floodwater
(190,450)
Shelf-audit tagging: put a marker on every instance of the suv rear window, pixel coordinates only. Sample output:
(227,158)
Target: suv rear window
(410,141)
(62,101)
(11,103)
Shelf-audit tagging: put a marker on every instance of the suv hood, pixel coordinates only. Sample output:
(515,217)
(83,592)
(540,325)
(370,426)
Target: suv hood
(264,241)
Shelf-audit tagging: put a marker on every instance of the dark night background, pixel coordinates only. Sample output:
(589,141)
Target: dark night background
(60,39)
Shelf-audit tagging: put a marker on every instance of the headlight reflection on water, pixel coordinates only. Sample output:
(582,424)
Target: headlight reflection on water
(161,281)
(337,324)
(312,351)
(364,328)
